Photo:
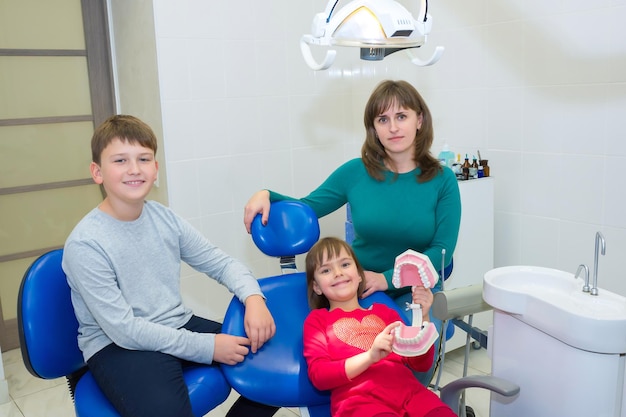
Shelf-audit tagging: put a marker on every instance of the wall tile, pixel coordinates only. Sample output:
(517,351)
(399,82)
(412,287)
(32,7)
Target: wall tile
(537,86)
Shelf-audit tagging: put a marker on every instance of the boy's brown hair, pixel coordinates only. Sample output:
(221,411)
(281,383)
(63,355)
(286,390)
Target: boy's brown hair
(327,248)
(125,128)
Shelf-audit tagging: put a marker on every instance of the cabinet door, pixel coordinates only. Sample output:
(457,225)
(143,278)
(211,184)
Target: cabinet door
(55,86)
(473,255)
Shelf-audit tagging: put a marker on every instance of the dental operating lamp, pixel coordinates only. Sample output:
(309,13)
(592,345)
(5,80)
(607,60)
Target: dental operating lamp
(377,27)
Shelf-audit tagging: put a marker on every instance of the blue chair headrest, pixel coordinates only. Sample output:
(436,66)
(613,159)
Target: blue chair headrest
(292,229)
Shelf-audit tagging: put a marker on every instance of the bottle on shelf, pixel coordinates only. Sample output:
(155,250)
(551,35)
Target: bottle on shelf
(446,156)
(484,163)
(456,166)
(466,168)
(474,168)
(466,164)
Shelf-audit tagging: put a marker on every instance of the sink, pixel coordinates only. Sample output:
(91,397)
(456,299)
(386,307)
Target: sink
(552,301)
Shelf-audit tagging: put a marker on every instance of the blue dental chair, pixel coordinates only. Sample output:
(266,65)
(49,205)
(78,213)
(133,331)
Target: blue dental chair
(48,340)
(277,374)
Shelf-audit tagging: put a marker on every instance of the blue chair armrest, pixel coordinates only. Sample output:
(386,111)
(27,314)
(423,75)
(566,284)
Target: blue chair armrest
(280,359)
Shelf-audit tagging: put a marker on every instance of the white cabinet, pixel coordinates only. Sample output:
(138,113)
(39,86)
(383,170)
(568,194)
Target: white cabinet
(473,255)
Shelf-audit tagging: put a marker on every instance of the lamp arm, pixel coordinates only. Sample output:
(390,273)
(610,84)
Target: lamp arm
(329,9)
(305,48)
(433,59)
(422,11)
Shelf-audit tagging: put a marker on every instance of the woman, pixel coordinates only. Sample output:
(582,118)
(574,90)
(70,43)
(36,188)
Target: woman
(400,196)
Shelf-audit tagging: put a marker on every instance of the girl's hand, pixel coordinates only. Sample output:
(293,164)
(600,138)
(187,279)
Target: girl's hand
(424,297)
(359,363)
(383,343)
(258,203)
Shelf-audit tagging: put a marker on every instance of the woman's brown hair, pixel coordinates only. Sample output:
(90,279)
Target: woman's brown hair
(402,94)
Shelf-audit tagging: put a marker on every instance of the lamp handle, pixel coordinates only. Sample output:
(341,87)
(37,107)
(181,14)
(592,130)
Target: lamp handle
(305,48)
(433,59)
(422,11)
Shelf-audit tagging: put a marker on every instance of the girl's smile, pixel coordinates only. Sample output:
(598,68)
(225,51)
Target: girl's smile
(338,279)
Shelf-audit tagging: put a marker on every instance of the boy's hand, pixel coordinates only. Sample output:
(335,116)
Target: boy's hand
(258,322)
(230,349)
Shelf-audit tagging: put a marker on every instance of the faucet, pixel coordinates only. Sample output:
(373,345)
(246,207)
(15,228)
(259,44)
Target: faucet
(581,268)
(600,248)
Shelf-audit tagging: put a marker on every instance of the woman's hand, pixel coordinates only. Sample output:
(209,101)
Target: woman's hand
(258,203)
(374,282)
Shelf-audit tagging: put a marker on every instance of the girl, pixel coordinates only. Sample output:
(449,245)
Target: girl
(348,348)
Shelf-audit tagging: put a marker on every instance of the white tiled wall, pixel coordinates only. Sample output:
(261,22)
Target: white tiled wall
(539,86)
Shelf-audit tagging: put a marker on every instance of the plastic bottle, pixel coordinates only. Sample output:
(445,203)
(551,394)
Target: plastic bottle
(456,166)
(446,156)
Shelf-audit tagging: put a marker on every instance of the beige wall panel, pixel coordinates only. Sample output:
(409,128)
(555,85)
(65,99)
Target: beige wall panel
(43,87)
(34,24)
(139,96)
(38,154)
(11,274)
(43,219)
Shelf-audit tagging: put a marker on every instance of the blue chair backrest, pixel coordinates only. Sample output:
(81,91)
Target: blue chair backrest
(280,360)
(47,325)
(292,229)
(48,332)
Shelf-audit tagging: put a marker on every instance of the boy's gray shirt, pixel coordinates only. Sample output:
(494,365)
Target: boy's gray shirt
(125,282)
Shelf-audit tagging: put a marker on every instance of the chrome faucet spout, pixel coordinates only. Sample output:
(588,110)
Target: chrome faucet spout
(600,249)
(585,268)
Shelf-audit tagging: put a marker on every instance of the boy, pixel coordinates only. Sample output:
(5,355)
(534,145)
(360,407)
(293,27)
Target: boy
(123,263)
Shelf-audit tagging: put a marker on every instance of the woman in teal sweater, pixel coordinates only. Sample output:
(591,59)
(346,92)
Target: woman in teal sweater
(400,196)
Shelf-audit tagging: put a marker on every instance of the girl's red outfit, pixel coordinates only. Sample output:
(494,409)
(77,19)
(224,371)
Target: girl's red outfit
(330,337)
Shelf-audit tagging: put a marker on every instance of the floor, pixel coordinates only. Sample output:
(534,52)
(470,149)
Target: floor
(33,397)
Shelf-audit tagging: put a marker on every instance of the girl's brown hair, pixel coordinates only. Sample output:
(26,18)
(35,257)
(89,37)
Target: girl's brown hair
(402,94)
(327,248)
(125,128)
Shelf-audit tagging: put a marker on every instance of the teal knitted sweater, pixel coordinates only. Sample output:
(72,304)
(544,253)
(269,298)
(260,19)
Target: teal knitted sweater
(393,215)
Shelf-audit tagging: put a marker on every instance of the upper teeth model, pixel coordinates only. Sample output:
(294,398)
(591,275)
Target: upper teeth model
(412,268)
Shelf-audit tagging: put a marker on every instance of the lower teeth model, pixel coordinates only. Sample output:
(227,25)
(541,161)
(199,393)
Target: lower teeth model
(414,269)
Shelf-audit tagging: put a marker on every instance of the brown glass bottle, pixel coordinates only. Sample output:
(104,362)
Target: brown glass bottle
(483,163)
(465,168)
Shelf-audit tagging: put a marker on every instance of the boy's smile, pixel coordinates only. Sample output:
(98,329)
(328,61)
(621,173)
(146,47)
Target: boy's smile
(127,171)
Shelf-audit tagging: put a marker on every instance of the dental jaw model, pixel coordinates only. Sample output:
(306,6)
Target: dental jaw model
(414,269)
